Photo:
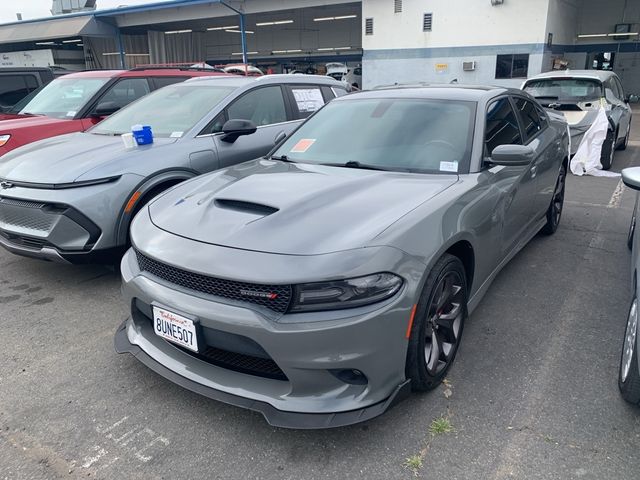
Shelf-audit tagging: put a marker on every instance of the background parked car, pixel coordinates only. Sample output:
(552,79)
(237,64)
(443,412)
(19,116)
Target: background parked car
(17,83)
(579,94)
(78,101)
(71,198)
(339,271)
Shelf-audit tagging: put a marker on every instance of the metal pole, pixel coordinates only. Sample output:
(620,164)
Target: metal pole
(123,63)
(244,40)
(243,32)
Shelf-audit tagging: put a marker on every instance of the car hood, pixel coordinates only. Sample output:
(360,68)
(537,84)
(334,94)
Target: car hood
(72,157)
(296,209)
(14,122)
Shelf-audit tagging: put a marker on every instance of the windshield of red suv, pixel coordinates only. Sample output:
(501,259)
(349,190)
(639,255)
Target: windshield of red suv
(64,97)
(574,89)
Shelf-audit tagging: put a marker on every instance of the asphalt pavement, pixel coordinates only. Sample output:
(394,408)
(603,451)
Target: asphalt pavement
(532,394)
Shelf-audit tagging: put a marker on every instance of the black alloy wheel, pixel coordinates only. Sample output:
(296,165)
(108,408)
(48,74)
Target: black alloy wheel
(438,324)
(608,151)
(554,213)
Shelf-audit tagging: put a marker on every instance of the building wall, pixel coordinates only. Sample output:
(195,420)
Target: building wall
(463,30)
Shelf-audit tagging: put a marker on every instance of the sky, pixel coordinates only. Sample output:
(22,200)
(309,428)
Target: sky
(41,8)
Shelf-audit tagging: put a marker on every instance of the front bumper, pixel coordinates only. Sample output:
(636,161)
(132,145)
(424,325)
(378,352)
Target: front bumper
(308,350)
(275,417)
(74,225)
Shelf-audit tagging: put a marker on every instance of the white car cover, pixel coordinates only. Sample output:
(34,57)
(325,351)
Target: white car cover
(586,161)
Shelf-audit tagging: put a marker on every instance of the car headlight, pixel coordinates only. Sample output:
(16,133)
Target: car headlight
(350,293)
(4,139)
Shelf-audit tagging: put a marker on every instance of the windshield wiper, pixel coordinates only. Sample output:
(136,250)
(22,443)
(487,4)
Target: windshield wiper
(282,158)
(354,164)
(550,97)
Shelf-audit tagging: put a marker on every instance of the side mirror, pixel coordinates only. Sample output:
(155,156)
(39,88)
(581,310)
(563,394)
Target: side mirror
(631,177)
(233,129)
(105,109)
(512,155)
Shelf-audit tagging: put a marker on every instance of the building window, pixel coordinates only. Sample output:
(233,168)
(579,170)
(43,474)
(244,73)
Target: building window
(427,21)
(512,66)
(397,6)
(368,26)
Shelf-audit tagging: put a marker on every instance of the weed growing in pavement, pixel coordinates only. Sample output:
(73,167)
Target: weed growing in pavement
(440,425)
(414,463)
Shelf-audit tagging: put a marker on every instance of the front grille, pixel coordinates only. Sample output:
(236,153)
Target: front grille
(23,241)
(274,297)
(21,203)
(239,362)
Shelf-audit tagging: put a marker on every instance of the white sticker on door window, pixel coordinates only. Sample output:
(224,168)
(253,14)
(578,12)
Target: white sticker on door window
(449,167)
(308,99)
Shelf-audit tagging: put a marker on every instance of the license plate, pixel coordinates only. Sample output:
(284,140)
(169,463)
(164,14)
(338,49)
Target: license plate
(175,328)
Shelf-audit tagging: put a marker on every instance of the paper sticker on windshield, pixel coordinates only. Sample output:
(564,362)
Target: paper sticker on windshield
(176,134)
(449,167)
(71,113)
(303,145)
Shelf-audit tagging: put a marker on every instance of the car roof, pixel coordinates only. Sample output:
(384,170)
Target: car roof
(241,80)
(474,93)
(601,75)
(151,72)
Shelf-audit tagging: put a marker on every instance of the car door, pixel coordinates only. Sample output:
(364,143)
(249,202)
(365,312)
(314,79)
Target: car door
(517,184)
(625,117)
(547,146)
(266,107)
(620,111)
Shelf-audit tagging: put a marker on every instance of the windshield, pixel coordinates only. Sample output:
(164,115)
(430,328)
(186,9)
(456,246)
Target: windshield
(170,111)
(64,97)
(575,89)
(415,135)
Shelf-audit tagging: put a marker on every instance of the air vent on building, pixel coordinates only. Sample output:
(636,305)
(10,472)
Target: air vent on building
(468,66)
(427,22)
(397,6)
(368,26)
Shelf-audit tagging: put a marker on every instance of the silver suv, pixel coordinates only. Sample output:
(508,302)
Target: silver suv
(579,94)
(71,198)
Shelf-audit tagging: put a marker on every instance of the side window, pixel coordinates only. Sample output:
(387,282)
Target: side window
(126,91)
(12,89)
(610,91)
(502,126)
(544,120)
(529,117)
(263,106)
(307,99)
(31,82)
(339,92)
(619,89)
(160,82)
(216,125)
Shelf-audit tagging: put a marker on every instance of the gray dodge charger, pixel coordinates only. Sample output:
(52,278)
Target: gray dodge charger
(321,284)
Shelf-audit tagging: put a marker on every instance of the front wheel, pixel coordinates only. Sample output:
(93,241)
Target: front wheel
(629,377)
(438,323)
(608,151)
(554,212)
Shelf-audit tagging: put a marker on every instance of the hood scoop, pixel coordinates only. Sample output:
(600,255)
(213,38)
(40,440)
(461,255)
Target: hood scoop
(245,207)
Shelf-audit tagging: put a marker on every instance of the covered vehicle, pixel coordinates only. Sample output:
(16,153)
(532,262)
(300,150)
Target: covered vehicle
(78,101)
(320,285)
(579,95)
(71,198)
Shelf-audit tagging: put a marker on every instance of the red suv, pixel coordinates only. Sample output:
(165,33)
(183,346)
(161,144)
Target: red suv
(77,101)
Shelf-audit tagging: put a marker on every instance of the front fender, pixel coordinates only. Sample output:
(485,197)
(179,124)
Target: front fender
(141,191)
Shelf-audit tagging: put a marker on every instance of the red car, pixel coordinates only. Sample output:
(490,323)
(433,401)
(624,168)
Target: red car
(77,101)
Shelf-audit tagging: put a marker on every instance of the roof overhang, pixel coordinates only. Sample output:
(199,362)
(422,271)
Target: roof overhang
(54,28)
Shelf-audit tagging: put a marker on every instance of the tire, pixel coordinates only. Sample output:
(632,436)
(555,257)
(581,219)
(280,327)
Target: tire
(608,151)
(623,145)
(438,324)
(554,212)
(632,229)
(629,376)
